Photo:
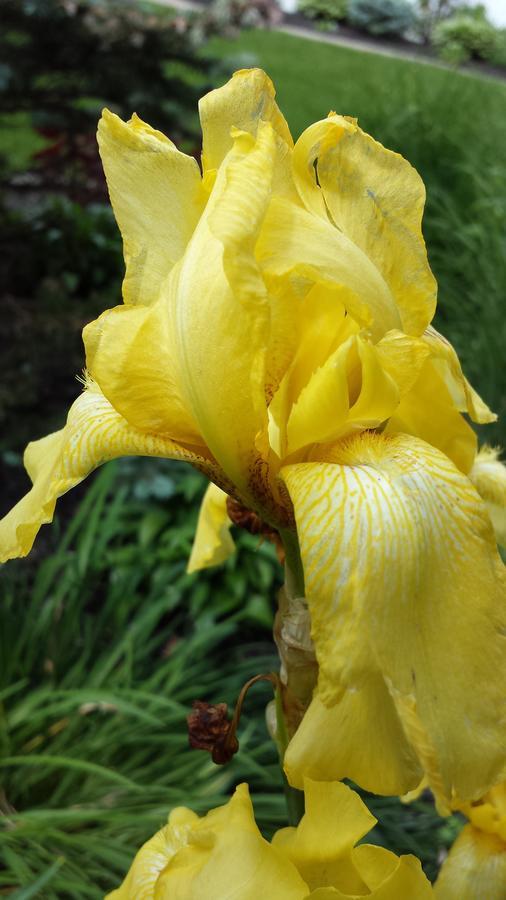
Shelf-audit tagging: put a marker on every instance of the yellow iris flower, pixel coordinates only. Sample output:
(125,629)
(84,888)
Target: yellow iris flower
(276,334)
(223,855)
(476,864)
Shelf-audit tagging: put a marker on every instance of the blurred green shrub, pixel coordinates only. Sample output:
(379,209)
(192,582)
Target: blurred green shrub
(228,17)
(324,10)
(391,18)
(466,35)
(63,59)
(498,55)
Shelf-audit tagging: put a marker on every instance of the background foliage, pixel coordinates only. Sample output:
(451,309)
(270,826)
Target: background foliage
(105,640)
(105,643)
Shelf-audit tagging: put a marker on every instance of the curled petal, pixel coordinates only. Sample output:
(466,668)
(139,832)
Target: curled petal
(306,250)
(213,543)
(130,353)
(349,392)
(447,363)
(427,411)
(242,103)
(220,855)
(376,199)
(403,580)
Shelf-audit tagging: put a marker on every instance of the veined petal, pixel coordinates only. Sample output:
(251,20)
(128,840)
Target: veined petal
(157,198)
(375,198)
(307,249)
(153,857)
(94,434)
(360,737)
(489,478)
(427,411)
(447,363)
(221,315)
(403,578)
(474,868)
(130,353)
(213,543)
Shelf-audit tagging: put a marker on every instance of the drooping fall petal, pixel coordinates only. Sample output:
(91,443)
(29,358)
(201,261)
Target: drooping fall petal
(94,434)
(213,543)
(404,582)
(361,737)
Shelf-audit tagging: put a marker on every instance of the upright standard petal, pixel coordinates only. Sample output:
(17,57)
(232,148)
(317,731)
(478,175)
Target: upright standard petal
(213,543)
(375,198)
(242,103)
(94,434)
(403,580)
(221,317)
(157,199)
(489,478)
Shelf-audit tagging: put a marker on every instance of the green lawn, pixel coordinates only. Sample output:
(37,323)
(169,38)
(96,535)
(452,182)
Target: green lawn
(452,128)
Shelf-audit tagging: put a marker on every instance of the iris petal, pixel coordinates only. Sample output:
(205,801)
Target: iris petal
(94,434)
(213,543)
(403,580)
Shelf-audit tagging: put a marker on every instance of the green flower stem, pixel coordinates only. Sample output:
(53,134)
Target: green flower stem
(294,572)
(298,664)
(294,798)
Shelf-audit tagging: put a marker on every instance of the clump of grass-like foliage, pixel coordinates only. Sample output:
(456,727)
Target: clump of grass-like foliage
(104,645)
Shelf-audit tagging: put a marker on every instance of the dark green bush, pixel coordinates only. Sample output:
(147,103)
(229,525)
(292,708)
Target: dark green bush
(61,62)
(391,18)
